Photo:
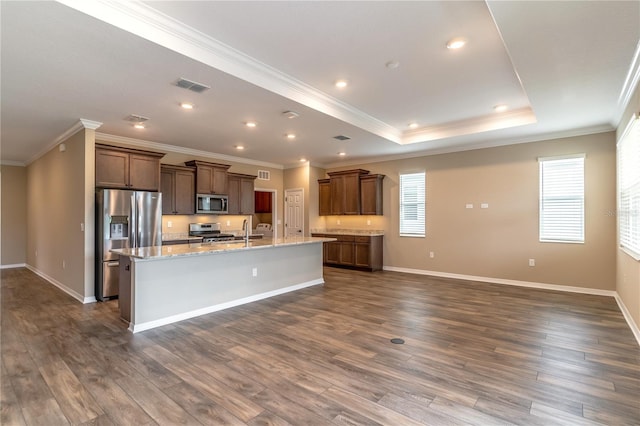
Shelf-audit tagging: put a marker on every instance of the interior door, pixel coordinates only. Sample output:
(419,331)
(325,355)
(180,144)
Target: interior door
(293,212)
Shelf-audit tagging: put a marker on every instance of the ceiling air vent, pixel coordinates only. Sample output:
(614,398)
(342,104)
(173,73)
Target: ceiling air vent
(264,175)
(191,85)
(136,118)
(342,138)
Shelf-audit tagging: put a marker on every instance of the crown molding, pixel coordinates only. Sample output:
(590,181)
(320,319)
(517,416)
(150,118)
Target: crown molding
(604,128)
(12,163)
(485,123)
(146,22)
(157,146)
(82,123)
(630,84)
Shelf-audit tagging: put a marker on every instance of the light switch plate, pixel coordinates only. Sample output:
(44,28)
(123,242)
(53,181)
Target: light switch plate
(469,206)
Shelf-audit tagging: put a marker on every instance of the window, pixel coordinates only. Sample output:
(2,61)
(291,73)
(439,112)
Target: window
(412,209)
(629,188)
(562,199)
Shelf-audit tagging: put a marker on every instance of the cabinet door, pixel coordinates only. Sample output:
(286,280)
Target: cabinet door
(204,177)
(144,172)
(112,169)
(325,198)
(184,192)
(332,252)
(168,193)
(219,184)
(371,195)
(247,198)
(337,195)
(233,184)
(347,254)
(351,194)
(362,257)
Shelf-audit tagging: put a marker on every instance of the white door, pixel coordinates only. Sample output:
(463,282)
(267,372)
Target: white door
(293,212)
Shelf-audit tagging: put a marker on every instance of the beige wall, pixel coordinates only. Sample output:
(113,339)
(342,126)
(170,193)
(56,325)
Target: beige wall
(57,203)
(497,242)
(627,268)
(13,215)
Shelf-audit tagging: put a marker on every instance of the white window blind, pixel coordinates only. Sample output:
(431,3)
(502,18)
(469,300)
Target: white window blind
(562,199)
(412,204)
(629,187)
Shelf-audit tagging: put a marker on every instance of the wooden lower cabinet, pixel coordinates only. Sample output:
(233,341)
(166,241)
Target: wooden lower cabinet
(358,252)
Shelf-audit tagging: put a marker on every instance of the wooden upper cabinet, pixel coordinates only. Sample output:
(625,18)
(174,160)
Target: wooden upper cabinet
(126,168)
(241,193)
(178,189)
(345,191)
(325,197)
(211,178)
(371,194)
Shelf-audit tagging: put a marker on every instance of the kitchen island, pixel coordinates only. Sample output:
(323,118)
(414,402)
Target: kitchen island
(165,284)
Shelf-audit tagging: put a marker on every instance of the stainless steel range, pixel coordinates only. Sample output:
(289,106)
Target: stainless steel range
(210,232)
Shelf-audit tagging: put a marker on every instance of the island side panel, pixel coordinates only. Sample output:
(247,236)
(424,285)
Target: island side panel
(175,288)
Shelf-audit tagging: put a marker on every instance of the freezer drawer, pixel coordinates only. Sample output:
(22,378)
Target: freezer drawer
(110,279)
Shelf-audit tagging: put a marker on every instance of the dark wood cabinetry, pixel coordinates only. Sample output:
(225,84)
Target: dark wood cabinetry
(125,168)
(241,193)
(178,189)
(371,194)
(211,178)
(350,192)
(353,251)
(345,191)
(325,197)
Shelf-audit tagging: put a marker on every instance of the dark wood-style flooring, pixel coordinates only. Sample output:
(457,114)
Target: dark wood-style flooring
(474,353)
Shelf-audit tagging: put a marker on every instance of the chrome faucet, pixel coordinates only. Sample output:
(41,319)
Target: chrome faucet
(247,227)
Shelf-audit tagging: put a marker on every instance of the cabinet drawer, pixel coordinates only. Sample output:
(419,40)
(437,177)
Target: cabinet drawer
(345,238)
(366,239)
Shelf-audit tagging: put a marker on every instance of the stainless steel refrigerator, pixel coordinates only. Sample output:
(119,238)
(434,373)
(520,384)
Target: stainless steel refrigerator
(124,219)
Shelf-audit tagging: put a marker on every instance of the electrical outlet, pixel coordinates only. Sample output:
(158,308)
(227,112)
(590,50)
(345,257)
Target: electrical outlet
(368,222)
(255,272)
(532,262)
(484,205)
(36,253)
(169,224)
(228,223)
(432,254)
(64,265)
(469,206)
(81,227)
(338,222)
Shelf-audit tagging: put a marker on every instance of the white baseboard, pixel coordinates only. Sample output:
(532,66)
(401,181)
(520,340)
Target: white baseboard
(17,265)
(136,328)
(627,316)
(62,287)
(565,288)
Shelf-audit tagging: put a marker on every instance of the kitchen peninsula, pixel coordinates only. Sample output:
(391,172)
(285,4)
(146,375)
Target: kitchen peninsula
(165,284)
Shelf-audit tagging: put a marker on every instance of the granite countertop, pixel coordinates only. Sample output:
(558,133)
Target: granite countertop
(160,252)
(356,232)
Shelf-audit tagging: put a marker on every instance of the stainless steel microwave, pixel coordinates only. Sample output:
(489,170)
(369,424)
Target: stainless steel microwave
(212,204)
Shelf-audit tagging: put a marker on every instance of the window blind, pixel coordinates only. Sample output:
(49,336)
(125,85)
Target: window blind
(628,155)
(562,199)
(412,204)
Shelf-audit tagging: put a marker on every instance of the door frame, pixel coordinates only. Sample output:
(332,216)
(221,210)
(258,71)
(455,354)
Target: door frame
(286,191)
(274,208)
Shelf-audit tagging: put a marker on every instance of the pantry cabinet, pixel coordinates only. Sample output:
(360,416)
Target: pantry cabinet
(124,168)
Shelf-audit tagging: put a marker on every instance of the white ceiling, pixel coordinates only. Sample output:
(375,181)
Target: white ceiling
(563,68)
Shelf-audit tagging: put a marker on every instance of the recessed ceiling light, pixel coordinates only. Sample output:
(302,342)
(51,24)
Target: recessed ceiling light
(342,154)
(302,160)
(392,65)
(186,105)
(290,114)
(239,147)
(456,43)
(341,84)
(250,124)
(291,135)
(500,108)
(413,125)
(139,126)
